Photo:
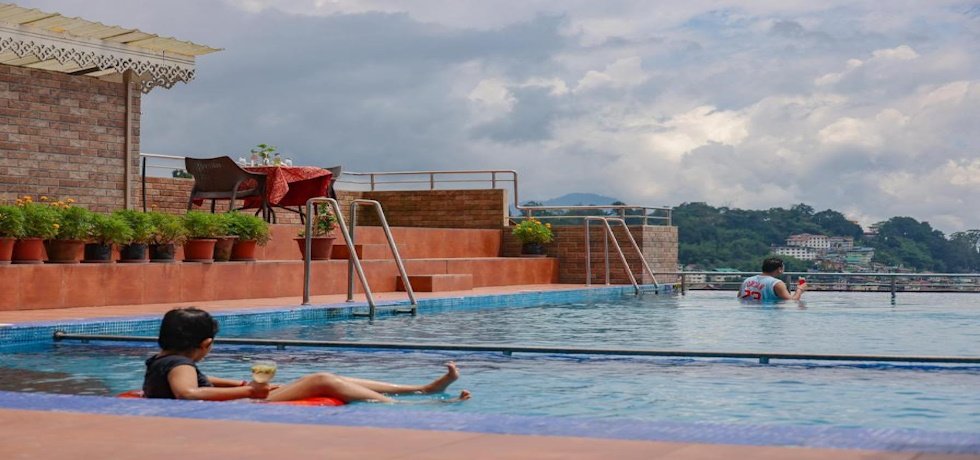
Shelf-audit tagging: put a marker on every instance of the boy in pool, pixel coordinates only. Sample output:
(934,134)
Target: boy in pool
(767,287)
(186,336)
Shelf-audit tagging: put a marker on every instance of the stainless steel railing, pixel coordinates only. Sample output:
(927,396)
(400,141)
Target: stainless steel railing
(509,350)
(429,179)
(841,279)
(607,234)
(354,261)
(391,245)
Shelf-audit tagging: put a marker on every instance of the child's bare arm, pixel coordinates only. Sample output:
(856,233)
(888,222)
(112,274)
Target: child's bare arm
(183,383)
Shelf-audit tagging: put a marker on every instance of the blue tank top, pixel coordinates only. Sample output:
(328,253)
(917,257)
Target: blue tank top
(759,288)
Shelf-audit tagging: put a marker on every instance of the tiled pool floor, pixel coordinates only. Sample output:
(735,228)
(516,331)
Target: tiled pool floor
(41,434)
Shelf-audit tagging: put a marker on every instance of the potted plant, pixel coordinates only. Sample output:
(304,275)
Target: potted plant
(323,224)
(202,232)
(225,239)
(168,232)
(11,227)
(263,153)
(533,235)
(41,222)
(251,231)
(134,251)
(73,229)
(105,231)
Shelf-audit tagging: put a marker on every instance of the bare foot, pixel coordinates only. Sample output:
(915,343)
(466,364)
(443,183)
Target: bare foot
(464,395)
(440,384)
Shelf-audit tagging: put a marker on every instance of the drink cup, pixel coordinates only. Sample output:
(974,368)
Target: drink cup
(263,371)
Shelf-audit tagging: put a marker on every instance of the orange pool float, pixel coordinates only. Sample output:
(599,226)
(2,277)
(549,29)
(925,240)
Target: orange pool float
(316,401)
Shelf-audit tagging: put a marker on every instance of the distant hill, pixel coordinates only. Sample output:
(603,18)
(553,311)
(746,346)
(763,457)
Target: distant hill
(571,199)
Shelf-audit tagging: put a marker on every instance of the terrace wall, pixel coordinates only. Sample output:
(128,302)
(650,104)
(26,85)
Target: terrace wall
(417,208)
(63,136)
(658,244)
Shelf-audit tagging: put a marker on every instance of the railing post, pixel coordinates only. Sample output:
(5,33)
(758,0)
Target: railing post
(432,181)
(683,284)
(350,257)
(893,288)
(493,180)
(588,255)
(372,182)
(143,180)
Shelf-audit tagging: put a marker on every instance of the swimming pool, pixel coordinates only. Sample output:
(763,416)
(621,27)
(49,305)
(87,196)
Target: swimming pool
(942,398)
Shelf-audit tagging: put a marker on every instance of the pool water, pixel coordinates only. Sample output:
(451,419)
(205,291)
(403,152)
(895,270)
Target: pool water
(943,398)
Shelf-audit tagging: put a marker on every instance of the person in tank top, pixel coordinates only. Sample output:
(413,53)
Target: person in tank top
(767,287)
(186,337)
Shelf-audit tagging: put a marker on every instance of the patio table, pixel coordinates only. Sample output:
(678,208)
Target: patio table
(290,185)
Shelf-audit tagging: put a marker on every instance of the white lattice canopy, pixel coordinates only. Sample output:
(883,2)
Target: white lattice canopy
(50,41)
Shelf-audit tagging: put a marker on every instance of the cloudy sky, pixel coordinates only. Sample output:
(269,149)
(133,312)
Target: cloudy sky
(871,108)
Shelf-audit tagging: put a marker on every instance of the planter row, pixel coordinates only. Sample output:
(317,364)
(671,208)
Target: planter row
(33,251)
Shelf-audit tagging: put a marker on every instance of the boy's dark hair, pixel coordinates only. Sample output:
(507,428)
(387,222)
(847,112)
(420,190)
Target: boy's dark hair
(771,264)
(184,329)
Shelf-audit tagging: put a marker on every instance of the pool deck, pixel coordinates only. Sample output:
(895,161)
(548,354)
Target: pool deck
(52,435)
(65,434)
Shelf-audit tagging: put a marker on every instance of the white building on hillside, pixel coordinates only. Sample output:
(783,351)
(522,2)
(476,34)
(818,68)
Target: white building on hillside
(799,252)
(809,241)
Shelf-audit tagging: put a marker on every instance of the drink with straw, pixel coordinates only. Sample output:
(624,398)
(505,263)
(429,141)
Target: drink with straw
(263,371)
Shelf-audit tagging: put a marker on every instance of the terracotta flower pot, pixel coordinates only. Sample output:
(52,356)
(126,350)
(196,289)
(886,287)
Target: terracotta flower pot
(320,247)
(163,253)
(244,251)
(222,248)
(6,249)
(199,250)
(28,251)
(64,251)
(98,253)
(133,253)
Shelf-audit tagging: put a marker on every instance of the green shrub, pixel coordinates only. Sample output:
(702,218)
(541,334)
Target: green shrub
(110,229)
(532,230)
(140,223)
(248,227)
(324,222)
(73,223)
(168,228)
(204,225)
(11,221)
(40,220)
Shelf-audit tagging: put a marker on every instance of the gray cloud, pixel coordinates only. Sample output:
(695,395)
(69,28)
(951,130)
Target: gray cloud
(866,107)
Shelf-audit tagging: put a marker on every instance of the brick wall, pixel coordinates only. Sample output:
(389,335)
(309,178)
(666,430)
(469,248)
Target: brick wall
(426,208)
(64,136)
(658,243)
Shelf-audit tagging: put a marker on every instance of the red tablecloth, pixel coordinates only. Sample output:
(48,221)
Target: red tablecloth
(291,185)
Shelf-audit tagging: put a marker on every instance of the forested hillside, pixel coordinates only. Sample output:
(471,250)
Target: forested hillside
(729,237)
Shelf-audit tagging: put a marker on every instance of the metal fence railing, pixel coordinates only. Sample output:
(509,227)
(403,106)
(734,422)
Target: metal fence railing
(156,164)
(838,281)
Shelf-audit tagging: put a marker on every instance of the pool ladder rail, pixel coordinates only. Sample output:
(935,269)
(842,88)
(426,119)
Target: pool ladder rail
(354,261)
(606,236)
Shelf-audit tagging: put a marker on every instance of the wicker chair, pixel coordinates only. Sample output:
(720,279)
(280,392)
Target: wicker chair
(221,179)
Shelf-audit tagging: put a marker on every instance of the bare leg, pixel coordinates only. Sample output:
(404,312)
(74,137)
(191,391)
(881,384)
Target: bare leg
(436,386)
(323,384)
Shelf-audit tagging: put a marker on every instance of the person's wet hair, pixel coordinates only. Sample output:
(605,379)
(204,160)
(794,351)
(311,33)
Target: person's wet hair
(771,264)
(184,329)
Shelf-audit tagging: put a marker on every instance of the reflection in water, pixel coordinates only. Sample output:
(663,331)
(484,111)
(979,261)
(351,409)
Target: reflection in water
(50,382)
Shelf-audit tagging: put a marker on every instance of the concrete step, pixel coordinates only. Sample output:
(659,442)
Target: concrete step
(438,283)
(26,287)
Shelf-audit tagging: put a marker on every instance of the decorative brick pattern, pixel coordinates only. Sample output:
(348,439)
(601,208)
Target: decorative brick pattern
(658,243)
(64,136)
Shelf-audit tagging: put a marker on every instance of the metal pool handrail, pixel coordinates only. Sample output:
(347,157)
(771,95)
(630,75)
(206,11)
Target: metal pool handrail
(605,240)
(406,281)
(352,254)
(763,357)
